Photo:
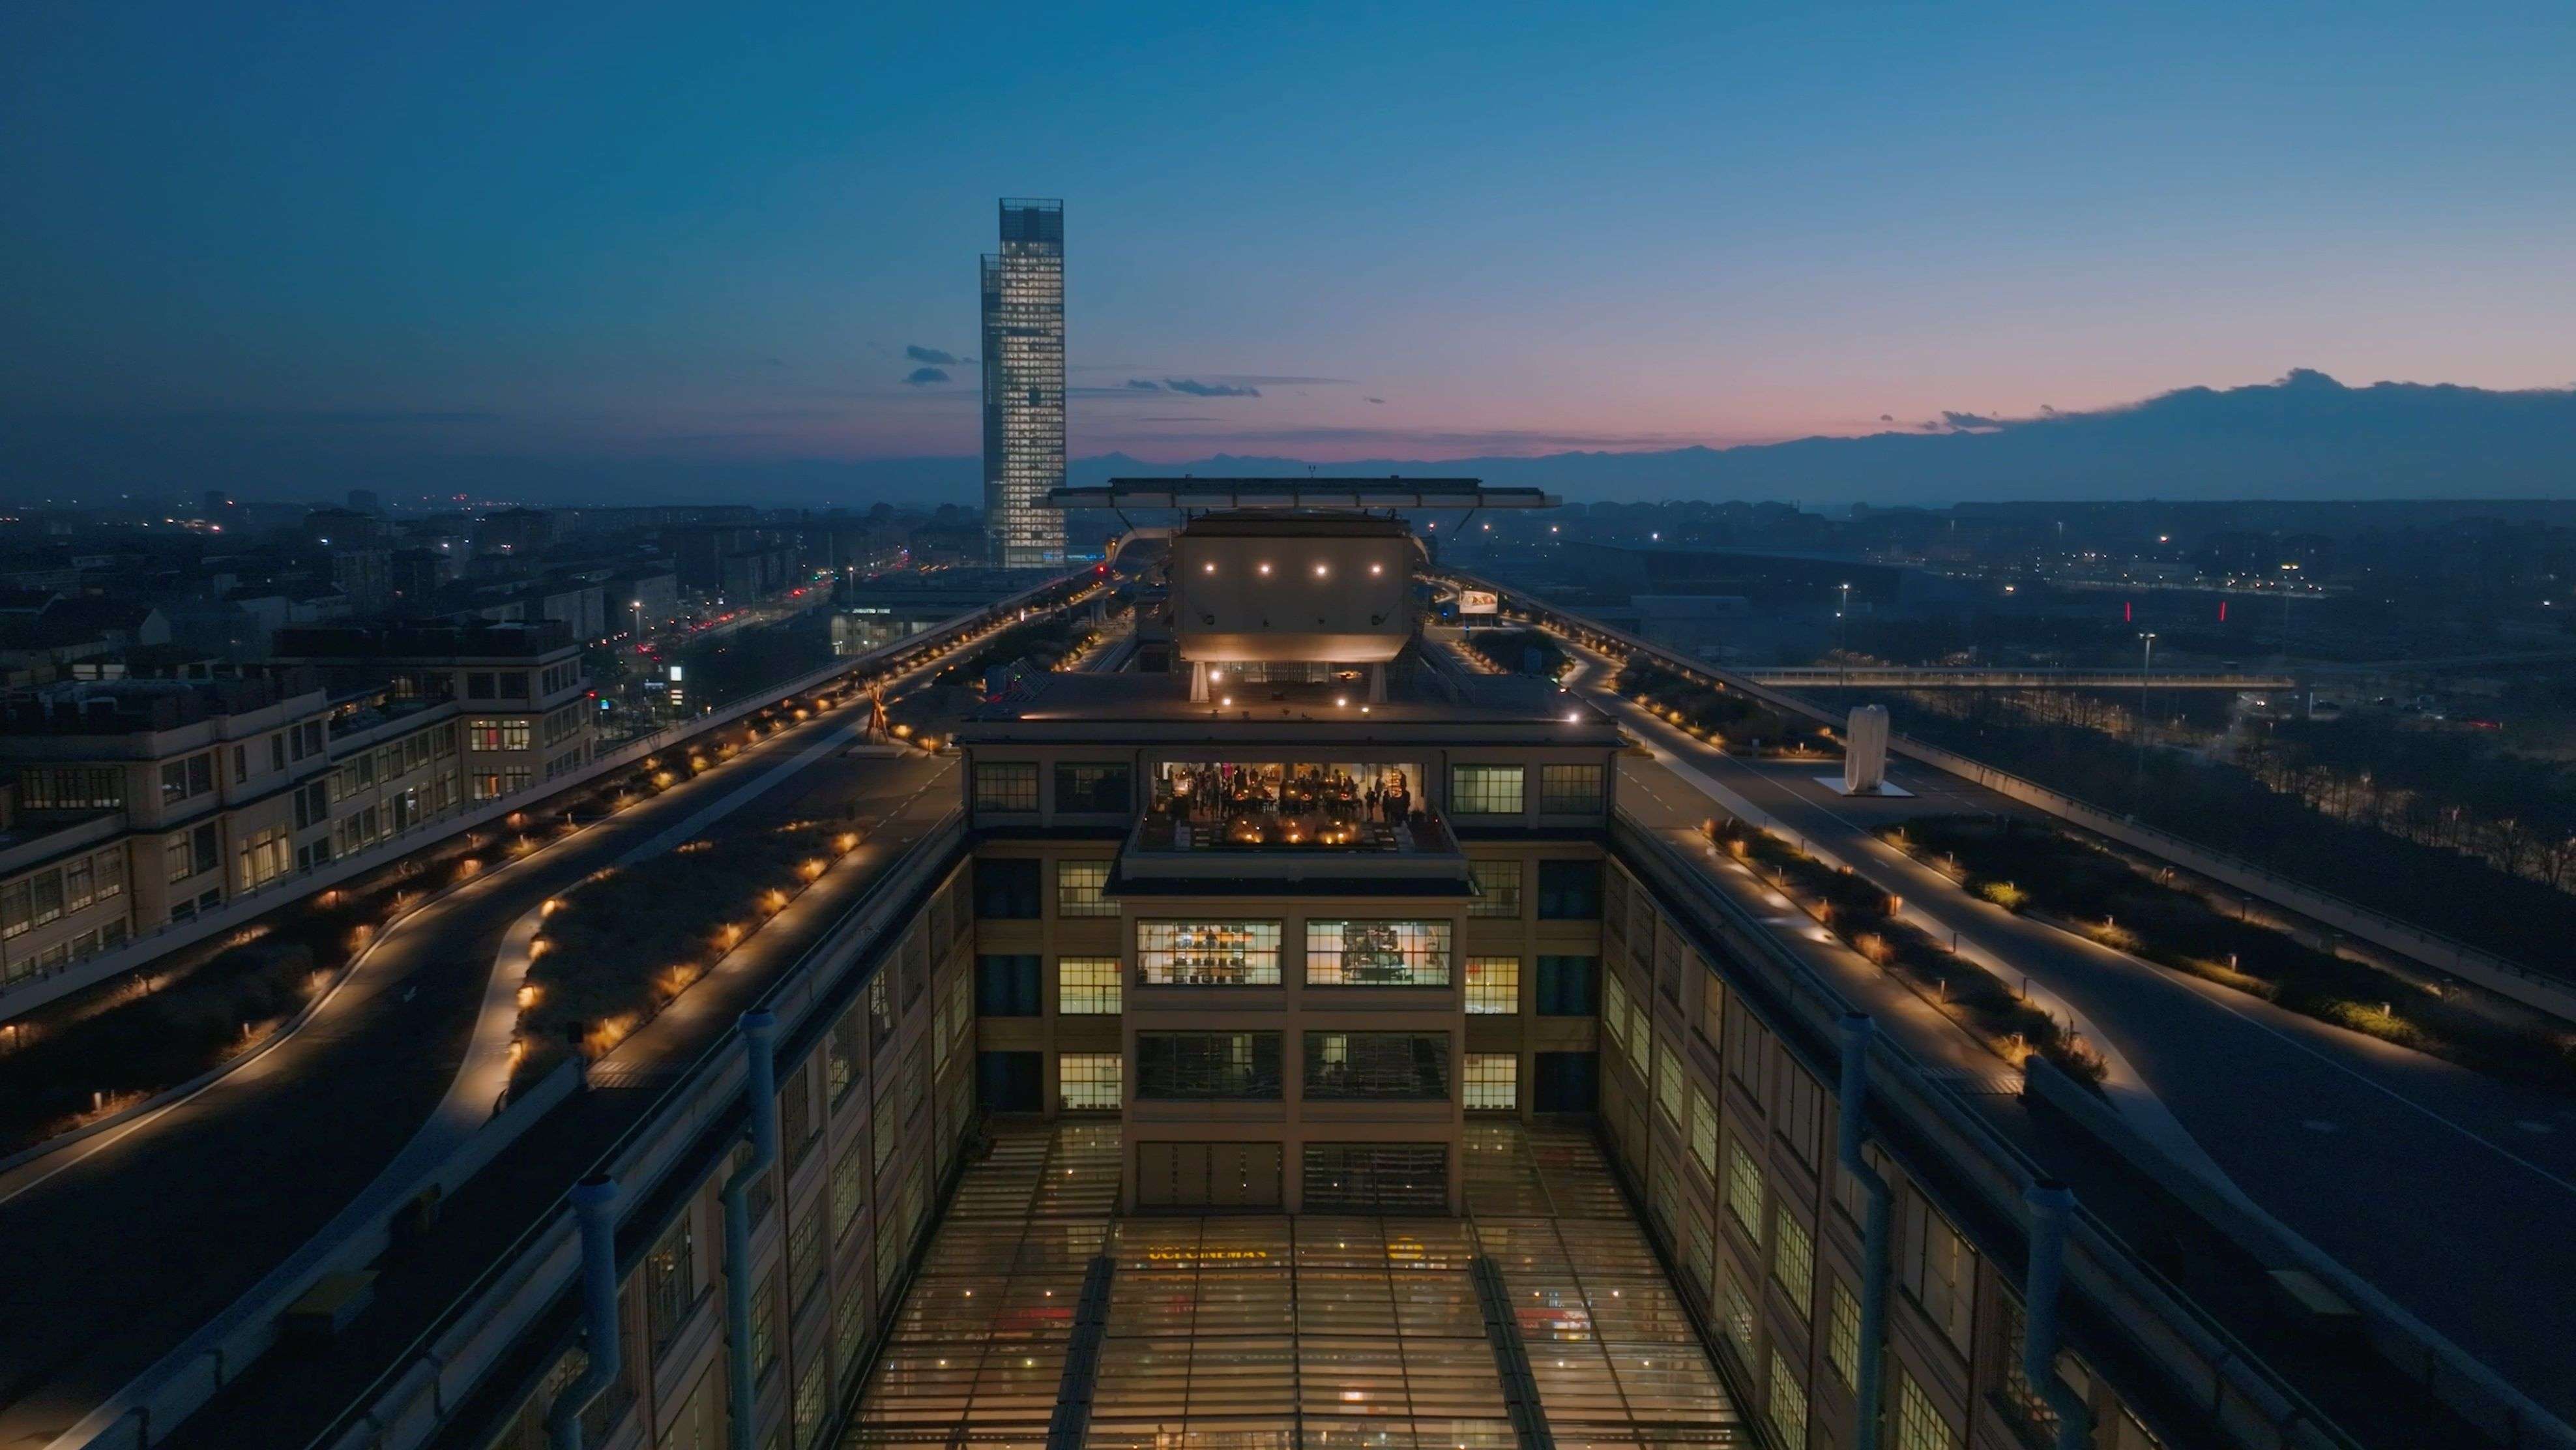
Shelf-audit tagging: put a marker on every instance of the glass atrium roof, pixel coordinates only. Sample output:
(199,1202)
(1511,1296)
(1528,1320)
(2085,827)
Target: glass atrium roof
(1263,1332)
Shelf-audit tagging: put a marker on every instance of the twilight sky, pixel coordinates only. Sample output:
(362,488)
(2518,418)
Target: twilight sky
(693,232)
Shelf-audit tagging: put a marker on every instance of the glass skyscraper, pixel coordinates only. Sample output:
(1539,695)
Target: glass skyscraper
(1024,383)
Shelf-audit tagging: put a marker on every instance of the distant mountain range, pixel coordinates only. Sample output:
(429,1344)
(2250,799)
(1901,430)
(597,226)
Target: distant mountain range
(2306,436)
(2303,437)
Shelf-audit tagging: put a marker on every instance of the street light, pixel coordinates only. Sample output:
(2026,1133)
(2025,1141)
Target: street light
(2146,669)
(1842,627)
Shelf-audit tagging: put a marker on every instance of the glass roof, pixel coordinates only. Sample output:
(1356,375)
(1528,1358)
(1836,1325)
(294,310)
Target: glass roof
(1265,1332)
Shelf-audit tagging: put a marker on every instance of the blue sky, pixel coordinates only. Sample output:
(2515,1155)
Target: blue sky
(690,232)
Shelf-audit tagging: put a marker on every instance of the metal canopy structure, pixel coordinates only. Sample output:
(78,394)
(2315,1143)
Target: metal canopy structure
(1390,492)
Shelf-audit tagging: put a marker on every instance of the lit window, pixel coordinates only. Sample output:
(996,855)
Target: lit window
(1787,1402)
(1087,986)
(1208,953)
(1493,1080)
(1206,1066)
(1493,985)
(1842,1336)
(1919,1425)
(1793,1262)
(1377,953)
(1078,888)
(1090,1081)
(1744,1190)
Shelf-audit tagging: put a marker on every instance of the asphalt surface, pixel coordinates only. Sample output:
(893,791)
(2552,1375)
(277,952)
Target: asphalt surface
(2453,1193)
(118,1247)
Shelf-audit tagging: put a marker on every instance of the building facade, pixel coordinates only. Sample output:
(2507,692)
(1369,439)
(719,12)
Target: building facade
(1023,369)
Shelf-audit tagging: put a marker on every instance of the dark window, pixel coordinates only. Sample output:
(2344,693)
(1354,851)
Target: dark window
(1569,986)
(479,686)
(1570,790)
(1007,890)
(1205,1065)
(1410,1066)
(203,843)
(1565,1082)
(1569,890)
(1006,785)
(1007,986)
(1010,1082)
(1377,1178)
(201,774)
(514,686)
(1099,788)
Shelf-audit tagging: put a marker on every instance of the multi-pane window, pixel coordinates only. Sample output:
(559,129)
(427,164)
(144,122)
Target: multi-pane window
(1570,790)
(1787,1404)
(1377,953)
(1744,1190)
(1793,1261)
(2018,1390)
(1086,986)
(71,788)
(1486,790)
(1208,953)
(1099,789)
(1932,1262)
(1919,1425)
(1569,890)
(1498,888)
(1614,1010)
(1493,985)
(1404,1066)
(1668,1083)
(1734,1307)
(1079,888)
(1202,1066)
(670,1284)
(1006,889)
(1703,1132)
(1007,986)
(1089,1081)
(1842,1336)
(1006,785)
(1568,986)
(764,1322)
(493,735)
(849,1190)
(1493,1080)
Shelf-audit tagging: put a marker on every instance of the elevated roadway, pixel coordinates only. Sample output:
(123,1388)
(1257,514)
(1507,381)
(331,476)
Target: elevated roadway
(1890,677)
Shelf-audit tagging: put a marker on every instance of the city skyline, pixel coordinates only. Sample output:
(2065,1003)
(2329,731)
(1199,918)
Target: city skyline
(680,242)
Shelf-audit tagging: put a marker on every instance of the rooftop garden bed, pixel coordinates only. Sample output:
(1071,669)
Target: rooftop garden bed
(1728,719)
(1865,918)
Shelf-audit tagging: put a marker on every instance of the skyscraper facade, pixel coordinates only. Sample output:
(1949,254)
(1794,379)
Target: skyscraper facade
(1024,383)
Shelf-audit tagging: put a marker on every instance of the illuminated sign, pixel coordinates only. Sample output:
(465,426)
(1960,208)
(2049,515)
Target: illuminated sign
(1476,601)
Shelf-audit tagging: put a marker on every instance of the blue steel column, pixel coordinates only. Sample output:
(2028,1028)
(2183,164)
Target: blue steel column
(1849,1136)
(2051,1204)
(594,1206)
(760,1086)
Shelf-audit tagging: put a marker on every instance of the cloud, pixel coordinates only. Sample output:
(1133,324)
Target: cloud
(1887,417)
(923,377)
(1375,400)
(1145,385)
(935,357)
(1970,421)
(1197,389)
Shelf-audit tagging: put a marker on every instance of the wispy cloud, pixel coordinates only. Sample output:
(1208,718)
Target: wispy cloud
(924,377)
(1197,389)
(936,357)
